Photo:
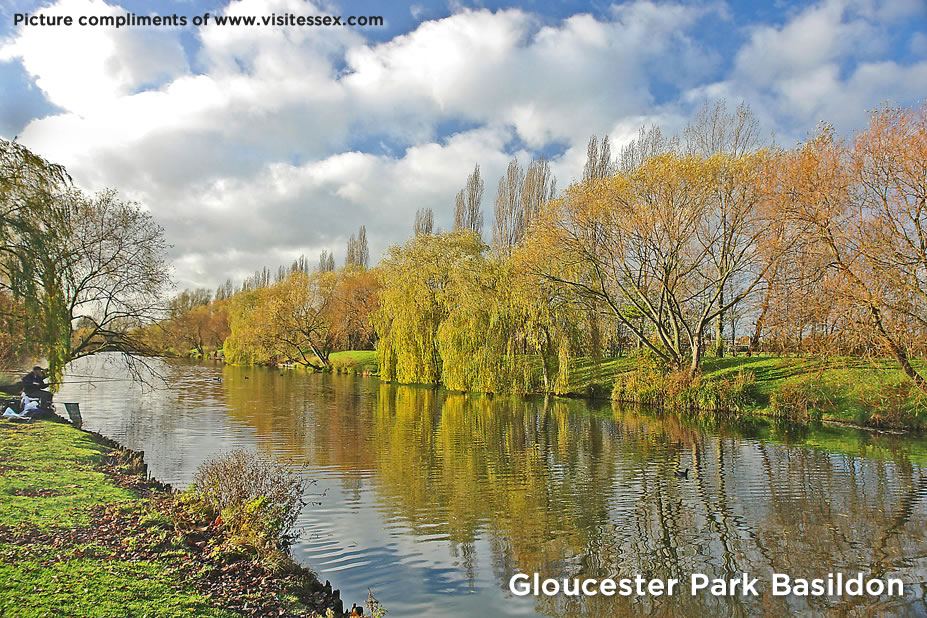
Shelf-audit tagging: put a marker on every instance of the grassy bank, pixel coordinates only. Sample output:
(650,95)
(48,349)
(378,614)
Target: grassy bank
(84,534)
(360,362)
(867,392)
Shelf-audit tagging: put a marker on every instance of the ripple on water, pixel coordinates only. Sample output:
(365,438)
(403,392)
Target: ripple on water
(433,500)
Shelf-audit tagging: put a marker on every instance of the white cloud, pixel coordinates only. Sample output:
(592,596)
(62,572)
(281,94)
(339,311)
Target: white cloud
(251,156)
(826,63)
(85,69)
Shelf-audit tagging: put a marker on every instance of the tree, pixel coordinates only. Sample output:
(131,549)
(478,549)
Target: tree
(645,245)
(72,260)
(519,198)
(715,131)
(424,222)
(599,162)
(414,279)
(293,318)
(508,230)
(196,321)
(32,212)
(467,211)
(357,254)
(355,301)
(326,262)
(113,273)
(649,143)
(866,205)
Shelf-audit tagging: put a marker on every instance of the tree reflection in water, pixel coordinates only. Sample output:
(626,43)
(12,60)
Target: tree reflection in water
(560,487)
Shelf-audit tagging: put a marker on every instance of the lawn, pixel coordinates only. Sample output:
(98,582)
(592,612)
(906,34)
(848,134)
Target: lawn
(355,361)
(84,533)
(53,558)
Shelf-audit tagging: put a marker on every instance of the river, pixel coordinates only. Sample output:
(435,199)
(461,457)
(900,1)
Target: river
(433,500)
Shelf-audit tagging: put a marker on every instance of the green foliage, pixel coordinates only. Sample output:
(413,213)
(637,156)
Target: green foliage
(417,297)
(67,257)
(242,346)
(805,398)
(455,314)
(652,382)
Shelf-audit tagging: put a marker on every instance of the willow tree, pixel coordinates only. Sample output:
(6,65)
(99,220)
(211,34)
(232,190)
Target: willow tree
(645,244)
(415,280)
(74,260)
(32,211)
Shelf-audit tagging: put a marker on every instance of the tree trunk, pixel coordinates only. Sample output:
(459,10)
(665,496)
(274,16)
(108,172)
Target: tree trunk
(897,351)
(696,362)
(719,336)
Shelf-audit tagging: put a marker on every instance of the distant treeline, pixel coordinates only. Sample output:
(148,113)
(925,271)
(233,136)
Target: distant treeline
(712,242)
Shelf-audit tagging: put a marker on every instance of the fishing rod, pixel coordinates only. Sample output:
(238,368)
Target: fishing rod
(95,381)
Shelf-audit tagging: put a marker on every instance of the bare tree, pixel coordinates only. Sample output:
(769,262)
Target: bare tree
(467,211)
(715,130)
(424,222)
(326,262)
(538,188)
(519,198)
(599,162)
(358,254)
(508,229)
(113,273)
(225,290)
(649,143)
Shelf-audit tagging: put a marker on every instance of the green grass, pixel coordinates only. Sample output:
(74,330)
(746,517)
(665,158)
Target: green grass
(869,392)
(57,462)
(355,361)
(48,483)
(69,583)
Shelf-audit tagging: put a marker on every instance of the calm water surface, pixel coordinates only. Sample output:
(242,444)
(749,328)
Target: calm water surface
(434,500)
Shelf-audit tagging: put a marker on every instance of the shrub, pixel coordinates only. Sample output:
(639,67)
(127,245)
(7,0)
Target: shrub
(652,383)
(646,383)
(805,398)
(256,499)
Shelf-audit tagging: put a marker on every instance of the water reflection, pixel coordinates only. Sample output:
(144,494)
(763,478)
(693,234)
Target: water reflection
(436,499)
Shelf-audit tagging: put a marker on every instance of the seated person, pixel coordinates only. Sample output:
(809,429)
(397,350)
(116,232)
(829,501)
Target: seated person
(33,383)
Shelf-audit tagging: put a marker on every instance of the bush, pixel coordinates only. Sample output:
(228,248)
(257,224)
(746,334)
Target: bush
(646,383)
(256,499)
(651,383)
(806,398)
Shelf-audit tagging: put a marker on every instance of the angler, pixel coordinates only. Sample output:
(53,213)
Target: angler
(34,385)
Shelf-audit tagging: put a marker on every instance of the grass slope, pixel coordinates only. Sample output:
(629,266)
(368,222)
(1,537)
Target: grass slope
(355,361)
(49,483)
(83,532)
(871,392)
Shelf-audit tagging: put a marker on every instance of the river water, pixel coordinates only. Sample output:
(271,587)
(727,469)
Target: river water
(433,500)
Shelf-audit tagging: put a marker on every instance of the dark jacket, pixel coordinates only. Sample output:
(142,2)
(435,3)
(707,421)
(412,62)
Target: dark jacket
(32,382)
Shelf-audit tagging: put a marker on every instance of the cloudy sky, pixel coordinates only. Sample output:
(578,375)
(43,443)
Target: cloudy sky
(253,145)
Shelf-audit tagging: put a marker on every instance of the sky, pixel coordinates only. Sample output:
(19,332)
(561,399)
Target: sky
(252,145)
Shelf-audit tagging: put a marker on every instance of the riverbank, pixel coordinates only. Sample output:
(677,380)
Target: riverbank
(871,393)
(85,532)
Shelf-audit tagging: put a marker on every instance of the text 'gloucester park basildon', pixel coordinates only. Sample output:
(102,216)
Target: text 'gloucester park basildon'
(780,584)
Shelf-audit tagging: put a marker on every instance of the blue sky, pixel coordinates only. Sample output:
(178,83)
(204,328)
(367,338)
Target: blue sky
(254,145)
